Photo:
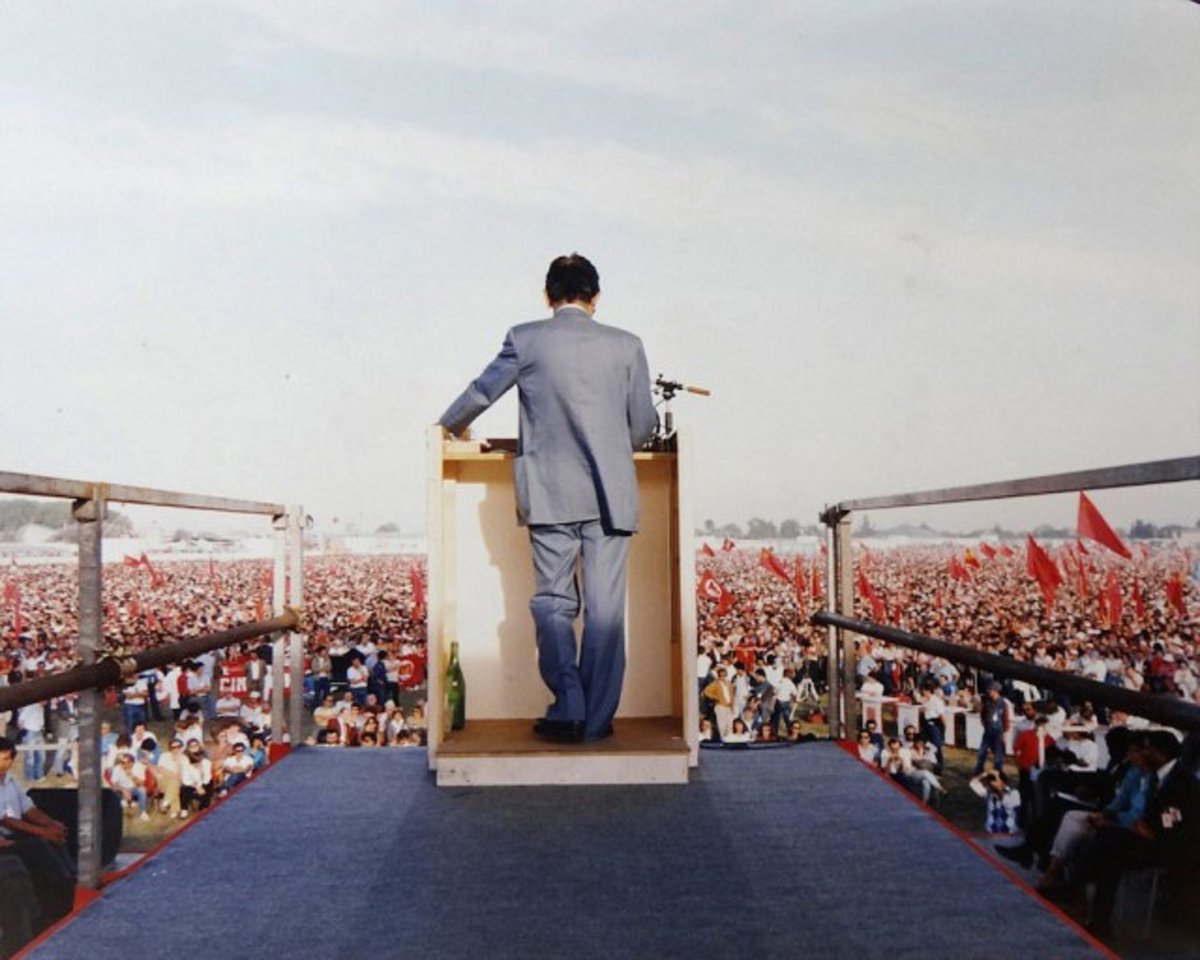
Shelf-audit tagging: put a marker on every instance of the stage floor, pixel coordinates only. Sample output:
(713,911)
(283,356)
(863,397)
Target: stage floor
(797,852)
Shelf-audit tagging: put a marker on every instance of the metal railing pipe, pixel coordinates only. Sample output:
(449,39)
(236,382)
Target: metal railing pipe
(112,670)
(37,486)
(1169,711)
(1129,475)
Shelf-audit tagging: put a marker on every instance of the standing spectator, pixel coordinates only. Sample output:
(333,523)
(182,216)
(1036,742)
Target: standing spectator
(31,721)
(933,720)
(720,693)
(357,677)
(64,724)
(1001,801)
(133,703)
(322,668)
(993,712)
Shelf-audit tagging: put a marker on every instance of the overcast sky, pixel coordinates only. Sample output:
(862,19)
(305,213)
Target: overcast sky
(254,247)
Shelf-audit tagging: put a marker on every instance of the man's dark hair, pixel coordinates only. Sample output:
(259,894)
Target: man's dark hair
(572,278)
(1164,742)
(7,746)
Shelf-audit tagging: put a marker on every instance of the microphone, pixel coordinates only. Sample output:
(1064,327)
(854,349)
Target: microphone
(668,388)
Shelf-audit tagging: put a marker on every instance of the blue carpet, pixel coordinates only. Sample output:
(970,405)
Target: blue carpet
(345,854)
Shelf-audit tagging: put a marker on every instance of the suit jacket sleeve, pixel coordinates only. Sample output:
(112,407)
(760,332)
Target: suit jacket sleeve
(642,417)
(484,390)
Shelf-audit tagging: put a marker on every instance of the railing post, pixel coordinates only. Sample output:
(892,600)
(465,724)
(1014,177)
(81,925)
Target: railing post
(89,518)
(843,708)
(296,522)
(278,601)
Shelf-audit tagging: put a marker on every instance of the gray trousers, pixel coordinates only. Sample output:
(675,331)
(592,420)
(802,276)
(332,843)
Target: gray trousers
(587,685)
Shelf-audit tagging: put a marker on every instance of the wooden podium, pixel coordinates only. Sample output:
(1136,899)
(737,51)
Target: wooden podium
(479,586)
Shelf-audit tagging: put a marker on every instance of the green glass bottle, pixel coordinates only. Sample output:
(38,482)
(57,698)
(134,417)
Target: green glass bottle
(456,691)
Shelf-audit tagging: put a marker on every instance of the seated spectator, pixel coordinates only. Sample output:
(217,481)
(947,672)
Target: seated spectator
(739,732)
(867,751)
(258,752)
(169,776)
(1167,835)
(128,778)
(236,767)
(255,717)
(19,911)
(196,781)
(229,706)
(38,840)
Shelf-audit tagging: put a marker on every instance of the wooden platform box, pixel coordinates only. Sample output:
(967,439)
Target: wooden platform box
(480,583)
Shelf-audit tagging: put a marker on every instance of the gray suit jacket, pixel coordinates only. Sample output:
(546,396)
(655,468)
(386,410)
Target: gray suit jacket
(585,407)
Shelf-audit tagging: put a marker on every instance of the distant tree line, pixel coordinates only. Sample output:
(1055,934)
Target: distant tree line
(756,528)
(55,514)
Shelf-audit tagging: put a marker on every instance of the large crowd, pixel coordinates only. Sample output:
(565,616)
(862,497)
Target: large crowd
(762,664)
(180,739)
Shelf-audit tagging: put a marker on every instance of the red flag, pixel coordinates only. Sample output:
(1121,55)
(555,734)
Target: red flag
(1006,550)
(1081,548)
(1042,569)
(1102,608)
(418,588)
(260,608)
(815,580)
(1139,605)
(988,551)
(1084,586)
(768,559)
(708,551)
(1175,593)
(709,587)
(12,593)
(800,589)
(970,559)
(728,545)
(1095,527)
(957,571)
(267,578)
(1115,606)
(867,592)
(129,561)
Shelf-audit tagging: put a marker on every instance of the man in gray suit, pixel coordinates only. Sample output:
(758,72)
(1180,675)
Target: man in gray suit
(585,407)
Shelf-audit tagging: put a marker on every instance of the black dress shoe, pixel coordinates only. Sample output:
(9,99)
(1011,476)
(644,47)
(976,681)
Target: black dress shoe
(1019,854)
(560,731)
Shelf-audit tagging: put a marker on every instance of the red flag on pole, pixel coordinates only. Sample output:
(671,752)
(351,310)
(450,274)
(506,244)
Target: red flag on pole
(970,559)
(728,545)
(267,578)
(771,562)
(800,588)
(1042,569)
(878,608)
(957,571)
(418,589)
(1115,606)
(709,587)
(815,580)
(1139,605)
(708,551)
(1007,551)
(1093,526)
(988,551)
(1175,593)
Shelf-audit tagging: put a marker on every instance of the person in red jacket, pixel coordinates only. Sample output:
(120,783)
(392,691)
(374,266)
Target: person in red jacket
(1029,751)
